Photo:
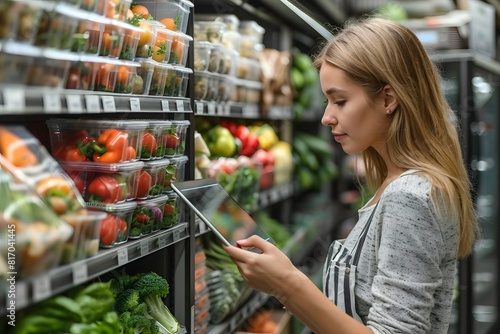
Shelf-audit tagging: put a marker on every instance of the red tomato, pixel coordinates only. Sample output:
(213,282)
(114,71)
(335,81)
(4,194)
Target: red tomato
(168,209)
(109,230)
(171,141)
(142,218)
(143,184)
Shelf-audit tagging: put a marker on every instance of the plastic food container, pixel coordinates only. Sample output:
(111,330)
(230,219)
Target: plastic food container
(132,35)
(87,37)
(113,75)
(115,140)
(163,44)
(226,85)
(177,81)
(248,69)
(19,20)
(248,46)
(201,82)
(57,25)
(228,61)
(231,40)
(144,76)
(115,225)
(213,87)
(117,9)
(106,183)
(152,178)
(84,242)
(181,129)
(215,57)
(173,13)
(159,78)
(171,211)
(82,73)
(15,62)
(152,140)
(254,92)
(180,49)
(252,28)
(147,39)
(175,172)
(202,52)
(40,235)
(112,39)
(147,216)
(209,31)
(51,69)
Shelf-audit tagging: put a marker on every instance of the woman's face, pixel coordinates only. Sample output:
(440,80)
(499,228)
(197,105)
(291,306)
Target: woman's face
(357,123)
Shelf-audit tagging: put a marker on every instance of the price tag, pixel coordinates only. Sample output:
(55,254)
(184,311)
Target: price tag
(122,256)
(92,103)
(227,109)
(165,105)
(74,104)
(176,235)
(263,200)
(211,109)
(180,105)
(135,104)
(21,297)
(80,273)
(41,288)
(199,107)
(14,99)
(108,103)
(52,102)
(162,241)
(144,248)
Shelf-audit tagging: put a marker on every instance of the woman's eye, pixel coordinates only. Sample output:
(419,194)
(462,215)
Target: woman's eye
(340,103)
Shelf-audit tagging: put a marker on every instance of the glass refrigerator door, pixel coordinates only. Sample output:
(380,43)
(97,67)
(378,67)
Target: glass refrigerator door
(485,162)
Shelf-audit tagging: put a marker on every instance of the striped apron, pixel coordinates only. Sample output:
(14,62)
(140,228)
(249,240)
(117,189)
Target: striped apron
(339,273)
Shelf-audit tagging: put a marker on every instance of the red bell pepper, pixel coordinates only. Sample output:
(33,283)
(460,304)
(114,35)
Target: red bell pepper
(231,126)
(249,141)
(111,146)
(149,145)
(75,147)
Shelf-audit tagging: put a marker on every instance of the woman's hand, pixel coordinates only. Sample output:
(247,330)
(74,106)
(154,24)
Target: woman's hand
(271,272)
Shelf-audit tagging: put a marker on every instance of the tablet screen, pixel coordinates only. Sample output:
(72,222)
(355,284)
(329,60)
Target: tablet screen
(216,207)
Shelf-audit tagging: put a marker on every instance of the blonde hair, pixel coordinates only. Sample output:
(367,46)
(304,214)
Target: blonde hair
(374,52)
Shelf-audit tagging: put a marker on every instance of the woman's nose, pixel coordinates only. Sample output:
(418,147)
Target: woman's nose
(328,117)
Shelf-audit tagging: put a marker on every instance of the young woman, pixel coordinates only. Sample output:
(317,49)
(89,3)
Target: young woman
(395,273)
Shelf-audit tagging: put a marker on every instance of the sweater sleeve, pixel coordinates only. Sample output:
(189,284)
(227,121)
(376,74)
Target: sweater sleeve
(410,247)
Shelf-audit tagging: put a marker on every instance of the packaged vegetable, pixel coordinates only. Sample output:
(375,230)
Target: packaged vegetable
(115,227)
(147,216)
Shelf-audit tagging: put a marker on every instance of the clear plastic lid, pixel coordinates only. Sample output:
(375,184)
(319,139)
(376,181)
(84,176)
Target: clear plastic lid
(183,69)
(182,159)
(154,201)
(232,21)
(151,164)
(184,122)
(119,207)
(100,167)
(159,124)
(96,124)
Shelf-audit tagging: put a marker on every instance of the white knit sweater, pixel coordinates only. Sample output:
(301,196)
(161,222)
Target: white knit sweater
(406,272)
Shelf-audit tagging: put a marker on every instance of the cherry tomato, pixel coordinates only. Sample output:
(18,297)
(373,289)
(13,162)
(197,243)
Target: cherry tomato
(142,218)
(109,230)
(105,189)
(149,145)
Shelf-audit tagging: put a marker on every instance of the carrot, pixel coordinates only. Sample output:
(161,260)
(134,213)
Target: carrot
(15,150)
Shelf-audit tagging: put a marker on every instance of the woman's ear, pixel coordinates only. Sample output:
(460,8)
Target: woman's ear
(390,98)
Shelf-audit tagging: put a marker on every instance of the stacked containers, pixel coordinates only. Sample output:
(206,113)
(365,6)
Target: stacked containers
(102,157)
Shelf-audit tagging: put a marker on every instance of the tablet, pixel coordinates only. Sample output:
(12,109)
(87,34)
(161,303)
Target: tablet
(220,212)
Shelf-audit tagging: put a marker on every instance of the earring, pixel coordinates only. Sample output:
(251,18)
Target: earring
(388,111)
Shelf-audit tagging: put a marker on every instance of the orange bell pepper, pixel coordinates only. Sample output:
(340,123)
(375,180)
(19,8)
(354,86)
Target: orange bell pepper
(111,146)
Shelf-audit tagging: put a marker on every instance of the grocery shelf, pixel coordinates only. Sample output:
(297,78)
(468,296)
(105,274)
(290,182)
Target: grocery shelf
(55,281)
(255,302)
(22,100)
(241,110)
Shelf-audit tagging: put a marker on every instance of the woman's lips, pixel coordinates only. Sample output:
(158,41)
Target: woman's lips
(338,136)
